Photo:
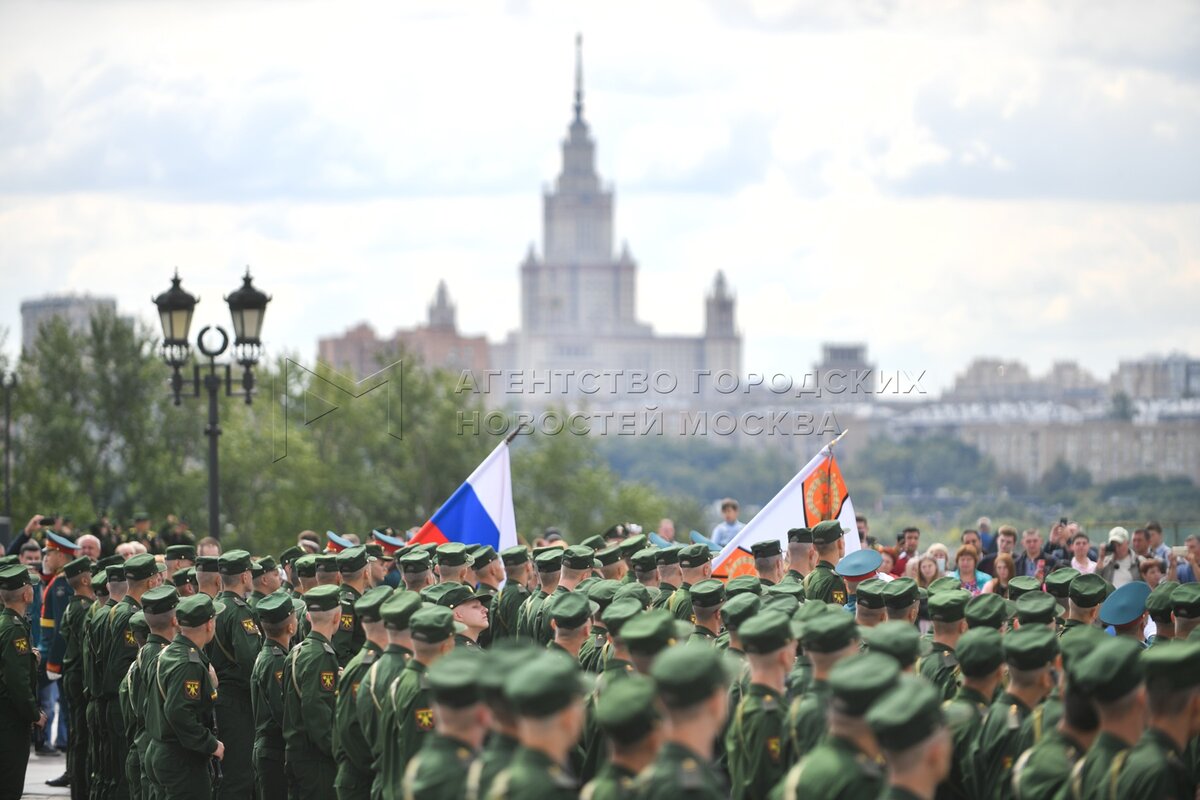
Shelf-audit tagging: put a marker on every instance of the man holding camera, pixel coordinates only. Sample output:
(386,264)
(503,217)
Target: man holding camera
(1117,564)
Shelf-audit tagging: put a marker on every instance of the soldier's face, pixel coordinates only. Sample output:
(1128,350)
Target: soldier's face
(473,614)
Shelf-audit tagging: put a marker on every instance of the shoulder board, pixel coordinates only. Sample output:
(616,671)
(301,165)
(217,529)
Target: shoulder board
(328,648)
(194,656)
(868,766)
(369,657)
(689,774)
(770,702)
(237,601)
(1014,718)
(562,779)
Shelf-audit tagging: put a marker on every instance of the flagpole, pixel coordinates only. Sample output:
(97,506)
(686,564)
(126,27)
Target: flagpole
(508,439)
(837,439)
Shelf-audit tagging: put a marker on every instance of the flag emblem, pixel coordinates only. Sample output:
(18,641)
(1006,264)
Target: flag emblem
(191,690)
(425,719)
(22,645)
(347,622)
(327,681)
(249,627)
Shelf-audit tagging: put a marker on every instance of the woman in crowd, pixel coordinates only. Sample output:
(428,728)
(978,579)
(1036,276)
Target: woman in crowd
(927,571)
(967,559)
(1004,573)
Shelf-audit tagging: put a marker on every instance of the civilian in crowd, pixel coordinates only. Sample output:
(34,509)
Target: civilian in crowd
(968,575)
(889,560)
(1154,533)
(725,530)
(984,526)
(910,540)
(940,554)
(1139,543)
(208,546)
(1118,565)
(864,531)
(666,529)
(1151,571)
(1188,567)
(971,537)
(89,546)
(1005,571)
(925,571)
(128,550)
(1032,560)
(309,541)
(1006,542)
(1079,554)
(1058,549)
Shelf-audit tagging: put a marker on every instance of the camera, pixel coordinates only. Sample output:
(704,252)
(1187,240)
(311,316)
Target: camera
(1110,548)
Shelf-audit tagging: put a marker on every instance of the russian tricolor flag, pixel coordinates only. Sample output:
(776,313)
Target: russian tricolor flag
(480,511)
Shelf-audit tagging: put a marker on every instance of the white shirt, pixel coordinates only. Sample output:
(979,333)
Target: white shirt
(1087,566)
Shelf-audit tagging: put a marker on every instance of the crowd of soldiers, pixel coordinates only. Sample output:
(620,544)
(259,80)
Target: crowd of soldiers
(603,670)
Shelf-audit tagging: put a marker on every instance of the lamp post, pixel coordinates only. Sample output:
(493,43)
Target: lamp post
(247,305)
(8,384)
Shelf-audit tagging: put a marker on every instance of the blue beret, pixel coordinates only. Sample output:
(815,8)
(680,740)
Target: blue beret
(1125,604)
(859,563)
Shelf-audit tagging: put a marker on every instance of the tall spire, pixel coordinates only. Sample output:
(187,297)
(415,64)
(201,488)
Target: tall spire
(579,76)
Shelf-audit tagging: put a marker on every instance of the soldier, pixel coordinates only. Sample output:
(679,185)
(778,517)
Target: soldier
(1058,585)
(706,598)
(127,693)
(1084,595)
(576,565)
(986,611)
(407,714)
(592,651)
(1037,608)
(869,609)
(1045,716)
(612,566)
(691,686)
(305,567)
(629,546)
(755,739)
(470,608)
(826,639)
(440,769)
(911,732)
(349,637)
(1156,766)
(1125,611)
(18,680)
(158,615)
(644,568)
(855,568)
(78,574)
(502,616)
(502,741)
(416,570)
(233,651)
(179,708)
(277,615)
(489,574)
(548,564)
(310,675)
(1185,606)
(847,762)
(898,640)
(695,564)
(391,546)
(351,750)
(1031,653)
(670,576)
(396,612)
(902,600)
(208,576)
(571,622)
(185,582)
(948,611)
(768,561)
(107,586)
(179,556)
(1112,676)
(327,570)
(265,575)
(823,583)
(453,562)
(645,636)
(628,716)
(980,655)
(800,555)
(1160,609)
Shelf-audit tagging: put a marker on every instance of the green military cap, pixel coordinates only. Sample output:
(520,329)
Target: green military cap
(1126,604)
(549,561)
(290,554)
(503,658)
(14,577)
(667,555)
(826,532)
(1075,643)
(375,552)
(738,609)
(900,640)
(398,608)
(140,567)
(160,600)
(571,609)
(1030,647)
(645,560)
(619,612)
(608,555)
(185,551)
(416,561)
(829,631)
(514,556)
(275,608)
(368,606)
(766,632)
(743,584)
(688,674)
(948,605)
(327,562)
(783,603)
(77,566)
(856,682)
(578,557)
(433,593)
(1058,583)
(791,588)
(453,680)
(986,610)
(482,555)
(544,685)
(429,547)
(116,572)
(649,633)
(980,652)
(138,624)
(632,544)
(8,561)
(256,568)
(1159,604)
(305,566)
(694,555)
(869,593)
(1022,584)
(234,562)
(807,612)
(602,592)
(800,535)
(268,563)
(943,584)
(907,715)
(1111,670)
(1087,591)
(626,710)
(1185,600)
(207,564)
(322,598)
(434,624)
(453,554)
(901,593)
(1036,608)
(99,581)
(352,559)
(115,559)
(766,548)
(596,542)
(1174,665)
(707,593)
(635,591)
(194,611)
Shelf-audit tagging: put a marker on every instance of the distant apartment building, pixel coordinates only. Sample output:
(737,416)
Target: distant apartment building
(75,310)
(993,380)
(1174,377)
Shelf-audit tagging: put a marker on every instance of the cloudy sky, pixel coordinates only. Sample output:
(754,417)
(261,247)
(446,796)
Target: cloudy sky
(938,179)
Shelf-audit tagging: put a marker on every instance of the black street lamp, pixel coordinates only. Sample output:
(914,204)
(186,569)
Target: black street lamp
(247,307)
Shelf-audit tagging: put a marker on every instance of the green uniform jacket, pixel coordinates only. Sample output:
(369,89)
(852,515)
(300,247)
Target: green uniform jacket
(495,757)
(373,693)
(350,747)
(995,749)
(665,592)
(836,768)
(1040,721)
(1154,769)
(407,716)
(121,647)
(532,775)
(825,584)
(1042,770)
(963,716)
(72,633)
(594,746)
(18,671)
(680,603)
(612,782)
(179,707)
(678,772)
(806,721)
(140,672)
(754,743)
(502,616)
(1092,778)
(528,611)
(235,646)
(540,628)
(94,626)
(940,667)
(266,696)
(349,637)
(592,648)
(439,771)
(309,691)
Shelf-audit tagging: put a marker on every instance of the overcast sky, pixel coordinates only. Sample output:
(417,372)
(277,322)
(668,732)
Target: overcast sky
(941,180)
